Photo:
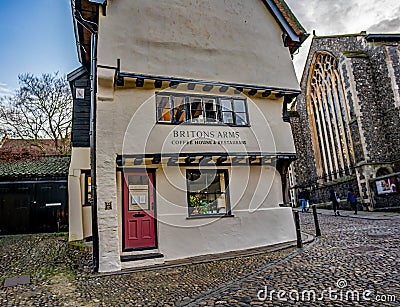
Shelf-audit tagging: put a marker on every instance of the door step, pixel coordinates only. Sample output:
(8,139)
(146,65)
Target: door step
(137,257)
(141,259)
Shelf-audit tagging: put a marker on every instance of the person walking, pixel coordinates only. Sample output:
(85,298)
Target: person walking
(302,200)
(352,199)
(307,199)
(335,201)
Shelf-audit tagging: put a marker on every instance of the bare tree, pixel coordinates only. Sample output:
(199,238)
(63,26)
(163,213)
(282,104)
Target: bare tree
(40,108)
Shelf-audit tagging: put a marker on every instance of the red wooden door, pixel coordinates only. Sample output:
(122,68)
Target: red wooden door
(139,220)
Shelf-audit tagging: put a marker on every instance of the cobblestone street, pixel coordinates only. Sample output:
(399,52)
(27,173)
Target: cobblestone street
(355,262)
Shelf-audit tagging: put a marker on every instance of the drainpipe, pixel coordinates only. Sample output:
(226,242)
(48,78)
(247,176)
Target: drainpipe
(93,91)
(92,27)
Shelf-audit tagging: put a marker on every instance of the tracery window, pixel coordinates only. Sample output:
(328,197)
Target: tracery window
(329,119)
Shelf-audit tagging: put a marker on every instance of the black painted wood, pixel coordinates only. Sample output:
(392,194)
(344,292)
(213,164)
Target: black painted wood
(81,108)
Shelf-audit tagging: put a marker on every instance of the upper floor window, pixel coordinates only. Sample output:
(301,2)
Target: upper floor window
(178,108)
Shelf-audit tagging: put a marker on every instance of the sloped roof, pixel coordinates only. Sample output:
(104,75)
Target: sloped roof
(44,166)
(29,158)
(293,30)
(290,17)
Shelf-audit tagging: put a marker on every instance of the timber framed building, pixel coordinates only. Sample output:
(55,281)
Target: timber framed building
(190,134)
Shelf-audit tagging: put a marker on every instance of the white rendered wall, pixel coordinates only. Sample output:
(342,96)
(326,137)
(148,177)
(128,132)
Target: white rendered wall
(257,219)
(79,218)
(226,41)
(232,41)
(133,117)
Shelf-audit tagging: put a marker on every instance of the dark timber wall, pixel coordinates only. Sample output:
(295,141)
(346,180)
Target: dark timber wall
(80,83)
(33,205)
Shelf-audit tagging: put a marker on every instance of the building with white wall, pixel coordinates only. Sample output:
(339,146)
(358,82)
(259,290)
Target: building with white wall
(190,134)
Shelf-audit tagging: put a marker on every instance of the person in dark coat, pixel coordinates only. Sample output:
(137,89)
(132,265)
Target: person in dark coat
(335,203)
(352,199)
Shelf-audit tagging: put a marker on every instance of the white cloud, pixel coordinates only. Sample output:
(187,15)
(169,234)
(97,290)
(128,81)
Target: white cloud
(4,90)
(329,17)
(344,16)
(390,23)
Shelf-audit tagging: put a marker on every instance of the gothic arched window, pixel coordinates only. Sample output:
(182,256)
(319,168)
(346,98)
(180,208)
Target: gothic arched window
(329,119)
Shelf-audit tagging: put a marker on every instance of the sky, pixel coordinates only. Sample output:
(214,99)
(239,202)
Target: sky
(330,17)
(37,35)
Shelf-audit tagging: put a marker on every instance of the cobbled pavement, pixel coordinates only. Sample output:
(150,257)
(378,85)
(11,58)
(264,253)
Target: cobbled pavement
(356,262)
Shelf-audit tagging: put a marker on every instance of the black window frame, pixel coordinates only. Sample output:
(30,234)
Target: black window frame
(227,212)
(188,101)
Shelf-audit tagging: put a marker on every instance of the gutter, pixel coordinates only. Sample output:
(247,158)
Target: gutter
(386,37)
(93,90)
(282,21)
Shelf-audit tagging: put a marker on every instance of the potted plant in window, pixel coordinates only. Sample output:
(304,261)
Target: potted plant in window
(221,205)
(200,206)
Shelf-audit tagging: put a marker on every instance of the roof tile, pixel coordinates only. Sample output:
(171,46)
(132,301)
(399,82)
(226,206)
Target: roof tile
(42,166)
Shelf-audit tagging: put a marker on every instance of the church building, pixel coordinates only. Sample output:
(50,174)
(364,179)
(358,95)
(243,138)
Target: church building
(345,120)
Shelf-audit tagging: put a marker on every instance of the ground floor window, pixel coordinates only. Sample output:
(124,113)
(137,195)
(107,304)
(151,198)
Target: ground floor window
(87,188)
(207,192)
